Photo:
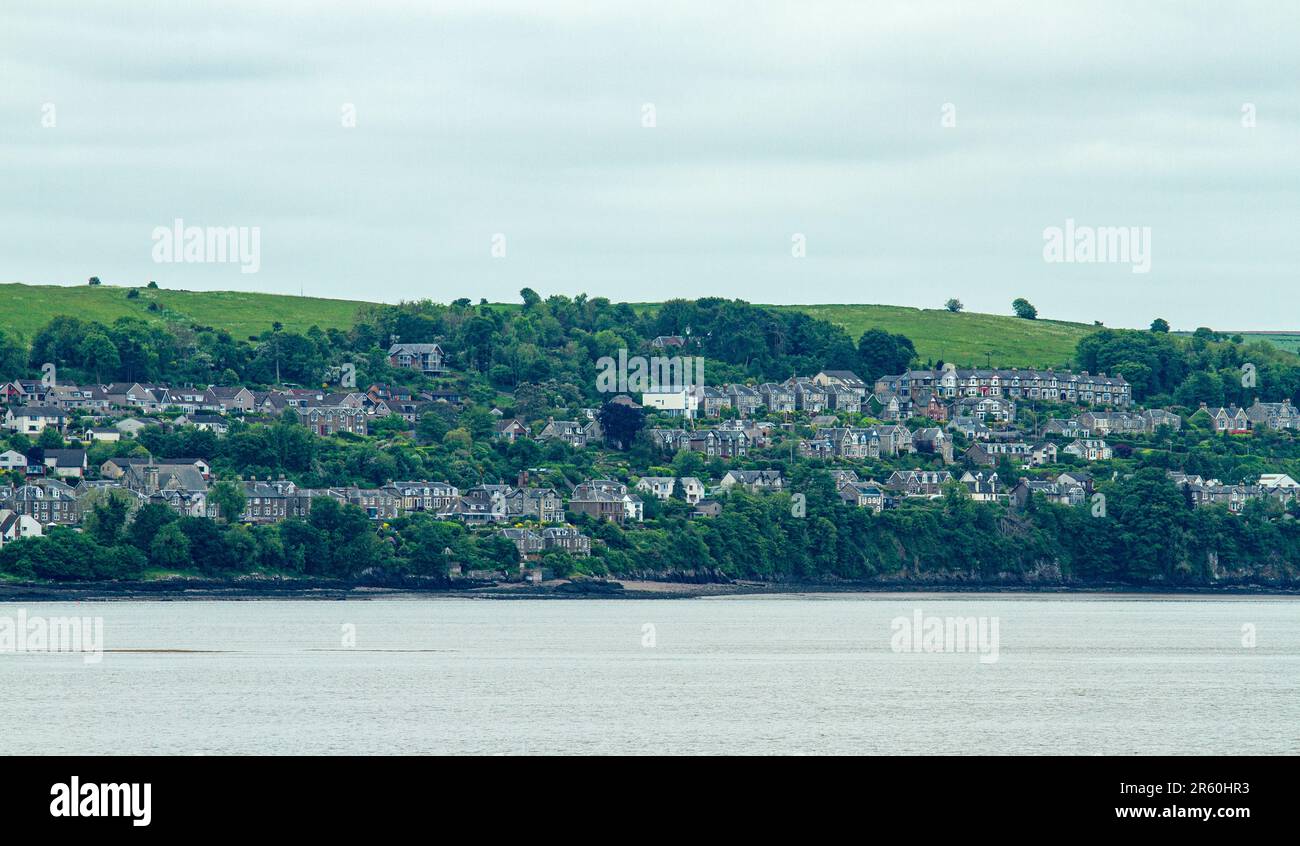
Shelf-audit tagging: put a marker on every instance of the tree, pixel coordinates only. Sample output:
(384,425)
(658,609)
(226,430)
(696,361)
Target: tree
(880,354)
(1024,309)
(1160,325)
(531,298)
(229,499)
(170,549)
(99,355)
(107,514)
(621,423)
(148,521)
(13,355)
(954,305)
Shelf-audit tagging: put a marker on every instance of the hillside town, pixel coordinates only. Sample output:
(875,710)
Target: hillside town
(924,432)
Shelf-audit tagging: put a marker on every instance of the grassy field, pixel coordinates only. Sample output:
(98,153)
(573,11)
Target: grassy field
(966,338)
(963,338)
(24,309)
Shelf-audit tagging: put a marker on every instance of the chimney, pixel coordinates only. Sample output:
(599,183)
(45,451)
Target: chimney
(522,481)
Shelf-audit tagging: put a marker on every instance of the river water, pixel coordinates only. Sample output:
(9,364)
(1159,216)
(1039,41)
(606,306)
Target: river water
(785,674)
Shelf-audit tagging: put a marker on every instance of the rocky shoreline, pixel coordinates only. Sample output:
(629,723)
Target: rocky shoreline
(252,588)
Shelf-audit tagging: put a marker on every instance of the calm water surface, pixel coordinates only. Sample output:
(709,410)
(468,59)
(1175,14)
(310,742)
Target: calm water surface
(791,674)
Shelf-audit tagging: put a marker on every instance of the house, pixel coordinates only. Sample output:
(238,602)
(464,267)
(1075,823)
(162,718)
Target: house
(1089,449)
(511,430)
(273,502)
(325,420)
(15,526)
(1061,493)
(893,407)
(1066,428)
(746,400)
(667,342)
(895,439)
(228,399)
(608,499)
(1278,481)
(570,432)
(707,508)
(542,504)
(13,461)
(718,443)
(47,502)
(566,539)
(528,542)
(132,426)
(809,397)
(66,463)
(432,497)
(778,399)
(1157,417)
(692,490)
(981,488)
(426,358)
(1014,384)
(377,503)
(989,454)
(1042,454)
(1273,415)
(712,401)
(480,505)
(1113,422)
(970,428)
(680,403)
(1077,477)
(867,494)
(660,486)
(753,480)
(986,409)
(918,483)
(34,419)
(1232,420)
(149,479)
(846,379)
(214,423)
(932,440)
(107,434)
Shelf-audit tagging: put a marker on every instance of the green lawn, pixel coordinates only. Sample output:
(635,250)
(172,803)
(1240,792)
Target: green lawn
(24,309)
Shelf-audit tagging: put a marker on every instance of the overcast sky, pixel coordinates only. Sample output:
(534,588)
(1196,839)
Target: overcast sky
(770,120)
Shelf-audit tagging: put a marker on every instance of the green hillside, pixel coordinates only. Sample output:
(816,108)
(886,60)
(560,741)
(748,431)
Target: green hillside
(24,309)
(964,338)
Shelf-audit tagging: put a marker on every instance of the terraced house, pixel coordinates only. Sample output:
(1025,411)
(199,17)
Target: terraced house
(325,420)
(1048,385)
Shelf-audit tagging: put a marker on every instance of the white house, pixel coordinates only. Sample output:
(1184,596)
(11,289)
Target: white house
(683,403)
(13,460)
(660,486)
(15,526)
(33,419)
(692,489)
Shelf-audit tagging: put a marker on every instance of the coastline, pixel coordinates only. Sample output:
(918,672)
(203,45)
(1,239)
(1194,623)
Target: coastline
(251,590)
